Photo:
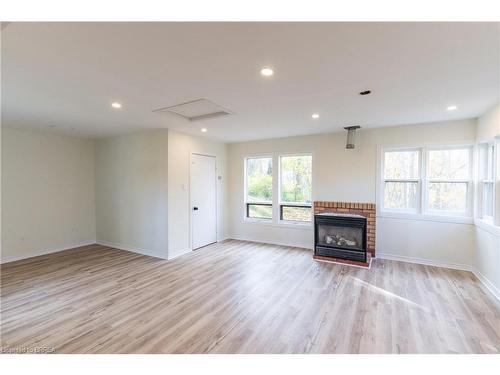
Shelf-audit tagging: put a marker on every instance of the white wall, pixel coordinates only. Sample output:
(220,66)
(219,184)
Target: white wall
(350,175)
(135,189)
(58,190)
(48,201)
(132,192)
(180,147)
(439,243)
(488,125)
(487,257)
(487,254)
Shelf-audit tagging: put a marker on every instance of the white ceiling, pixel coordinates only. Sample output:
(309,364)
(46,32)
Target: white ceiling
(64,76)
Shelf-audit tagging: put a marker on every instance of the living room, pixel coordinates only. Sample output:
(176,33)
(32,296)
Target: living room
(250,187)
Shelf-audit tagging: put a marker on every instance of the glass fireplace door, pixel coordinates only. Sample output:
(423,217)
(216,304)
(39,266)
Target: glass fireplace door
(350,238)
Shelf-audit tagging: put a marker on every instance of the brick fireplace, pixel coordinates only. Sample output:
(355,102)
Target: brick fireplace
(368,210)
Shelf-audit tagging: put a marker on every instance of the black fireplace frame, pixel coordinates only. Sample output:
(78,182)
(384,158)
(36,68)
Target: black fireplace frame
(334,251)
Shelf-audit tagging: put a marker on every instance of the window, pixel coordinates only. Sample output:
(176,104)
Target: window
(295,188)
(259,188)
(282,198)
(448,180)
(402,180)
(486,180)
(427,181)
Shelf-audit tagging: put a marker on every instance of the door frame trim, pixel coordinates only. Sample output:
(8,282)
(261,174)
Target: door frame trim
(190,203)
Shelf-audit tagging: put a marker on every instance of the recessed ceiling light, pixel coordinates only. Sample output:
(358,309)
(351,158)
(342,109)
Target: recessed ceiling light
(204,130)
(315,115)
(266,72)
(116,105)
(451,108)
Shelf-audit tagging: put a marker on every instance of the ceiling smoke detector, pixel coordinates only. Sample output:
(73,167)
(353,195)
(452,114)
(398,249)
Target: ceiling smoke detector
(195,110)
(351,135)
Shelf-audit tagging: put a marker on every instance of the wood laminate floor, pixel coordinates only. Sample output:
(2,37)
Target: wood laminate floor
(241,297)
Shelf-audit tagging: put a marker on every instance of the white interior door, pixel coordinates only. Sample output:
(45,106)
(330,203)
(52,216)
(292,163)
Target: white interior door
(203,200)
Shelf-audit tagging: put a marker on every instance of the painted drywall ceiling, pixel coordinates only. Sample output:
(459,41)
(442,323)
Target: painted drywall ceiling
(64,76)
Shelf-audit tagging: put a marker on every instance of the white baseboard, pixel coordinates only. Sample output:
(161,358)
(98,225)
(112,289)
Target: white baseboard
(455,266)
(271,241)
(427,262)
(178,253)
(126,247)
(345,264)
(487,283)
(222,237)
(46,251)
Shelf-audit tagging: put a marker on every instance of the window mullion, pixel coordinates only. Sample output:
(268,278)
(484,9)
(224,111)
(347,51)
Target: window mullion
(443,181)
(493,176)
(485,192)
(423,178)
(276,187)
(417,180)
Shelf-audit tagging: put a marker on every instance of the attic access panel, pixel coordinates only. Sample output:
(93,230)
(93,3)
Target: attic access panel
(195,110)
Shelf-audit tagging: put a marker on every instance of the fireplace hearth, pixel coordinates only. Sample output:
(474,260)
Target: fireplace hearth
(340,236)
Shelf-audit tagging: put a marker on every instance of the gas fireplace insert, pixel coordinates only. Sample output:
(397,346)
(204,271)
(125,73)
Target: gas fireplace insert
(340,236)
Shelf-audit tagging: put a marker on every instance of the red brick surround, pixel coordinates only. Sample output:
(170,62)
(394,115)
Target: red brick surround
(365,209)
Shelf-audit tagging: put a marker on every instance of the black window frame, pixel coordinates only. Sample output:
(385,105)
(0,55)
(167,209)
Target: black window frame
(295,206)
(248,204)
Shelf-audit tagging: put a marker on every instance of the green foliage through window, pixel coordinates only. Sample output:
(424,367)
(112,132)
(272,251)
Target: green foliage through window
(259,179)
(296,178)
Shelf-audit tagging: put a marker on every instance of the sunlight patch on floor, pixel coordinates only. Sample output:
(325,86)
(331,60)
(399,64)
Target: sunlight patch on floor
(386,293)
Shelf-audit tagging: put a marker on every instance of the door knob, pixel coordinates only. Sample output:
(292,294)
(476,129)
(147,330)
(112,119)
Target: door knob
(195,208)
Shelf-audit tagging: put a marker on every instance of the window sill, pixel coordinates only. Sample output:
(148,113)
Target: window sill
(420,217)
(281,224)
(487,226)
(292,224)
